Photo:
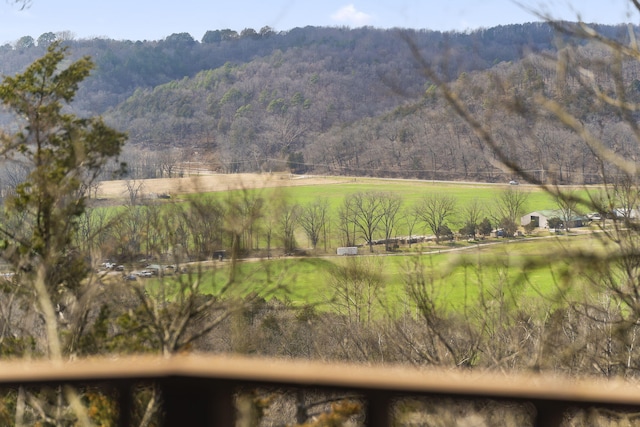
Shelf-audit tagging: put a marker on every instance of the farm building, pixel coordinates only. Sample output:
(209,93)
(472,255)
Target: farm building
(541,218)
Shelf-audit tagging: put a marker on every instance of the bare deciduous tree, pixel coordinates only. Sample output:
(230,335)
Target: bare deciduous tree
(367,214)
(391,204)
(355,287)
(568,205)
(313,219)
(287,215)
(134,190)
(435,210)
(472,212)
(508,208)
(347,222)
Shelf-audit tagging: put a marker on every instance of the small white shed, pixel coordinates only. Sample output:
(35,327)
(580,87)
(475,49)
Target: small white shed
(348,250)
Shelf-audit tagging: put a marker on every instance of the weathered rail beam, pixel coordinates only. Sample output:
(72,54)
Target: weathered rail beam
(198,390)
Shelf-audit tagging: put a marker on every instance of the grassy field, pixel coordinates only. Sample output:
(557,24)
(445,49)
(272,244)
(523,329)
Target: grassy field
(457,279)
(409,191)
(458,273)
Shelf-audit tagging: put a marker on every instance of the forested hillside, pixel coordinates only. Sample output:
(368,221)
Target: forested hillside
(319,100)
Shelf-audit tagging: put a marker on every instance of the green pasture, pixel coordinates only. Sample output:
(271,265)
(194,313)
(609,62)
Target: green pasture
(409,191)
(458,275)
(518,274)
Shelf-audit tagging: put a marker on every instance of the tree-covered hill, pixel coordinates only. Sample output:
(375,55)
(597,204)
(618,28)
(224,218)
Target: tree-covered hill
(123,66)
(315,99)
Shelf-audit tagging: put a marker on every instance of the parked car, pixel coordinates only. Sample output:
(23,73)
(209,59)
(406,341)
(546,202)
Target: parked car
(513,182)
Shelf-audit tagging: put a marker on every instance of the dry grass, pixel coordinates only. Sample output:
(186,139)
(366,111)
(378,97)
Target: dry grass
(210,183)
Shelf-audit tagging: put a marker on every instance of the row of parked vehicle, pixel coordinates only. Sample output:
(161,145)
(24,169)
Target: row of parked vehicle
(150,270)
(135,275)
(112,266)
(153,270)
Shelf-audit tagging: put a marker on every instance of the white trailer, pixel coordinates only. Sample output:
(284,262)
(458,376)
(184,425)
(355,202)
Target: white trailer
(348,250)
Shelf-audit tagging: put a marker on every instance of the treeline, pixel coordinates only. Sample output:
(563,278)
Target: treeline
(249,224)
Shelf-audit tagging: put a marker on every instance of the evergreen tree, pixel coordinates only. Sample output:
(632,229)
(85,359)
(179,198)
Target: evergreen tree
(64,155)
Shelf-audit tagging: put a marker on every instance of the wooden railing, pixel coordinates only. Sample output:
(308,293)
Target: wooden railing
(199,390)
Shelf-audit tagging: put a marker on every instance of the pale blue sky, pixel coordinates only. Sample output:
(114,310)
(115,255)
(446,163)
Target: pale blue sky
(156,19)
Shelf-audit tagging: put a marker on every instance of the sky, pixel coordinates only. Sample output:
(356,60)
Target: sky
(156,19)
